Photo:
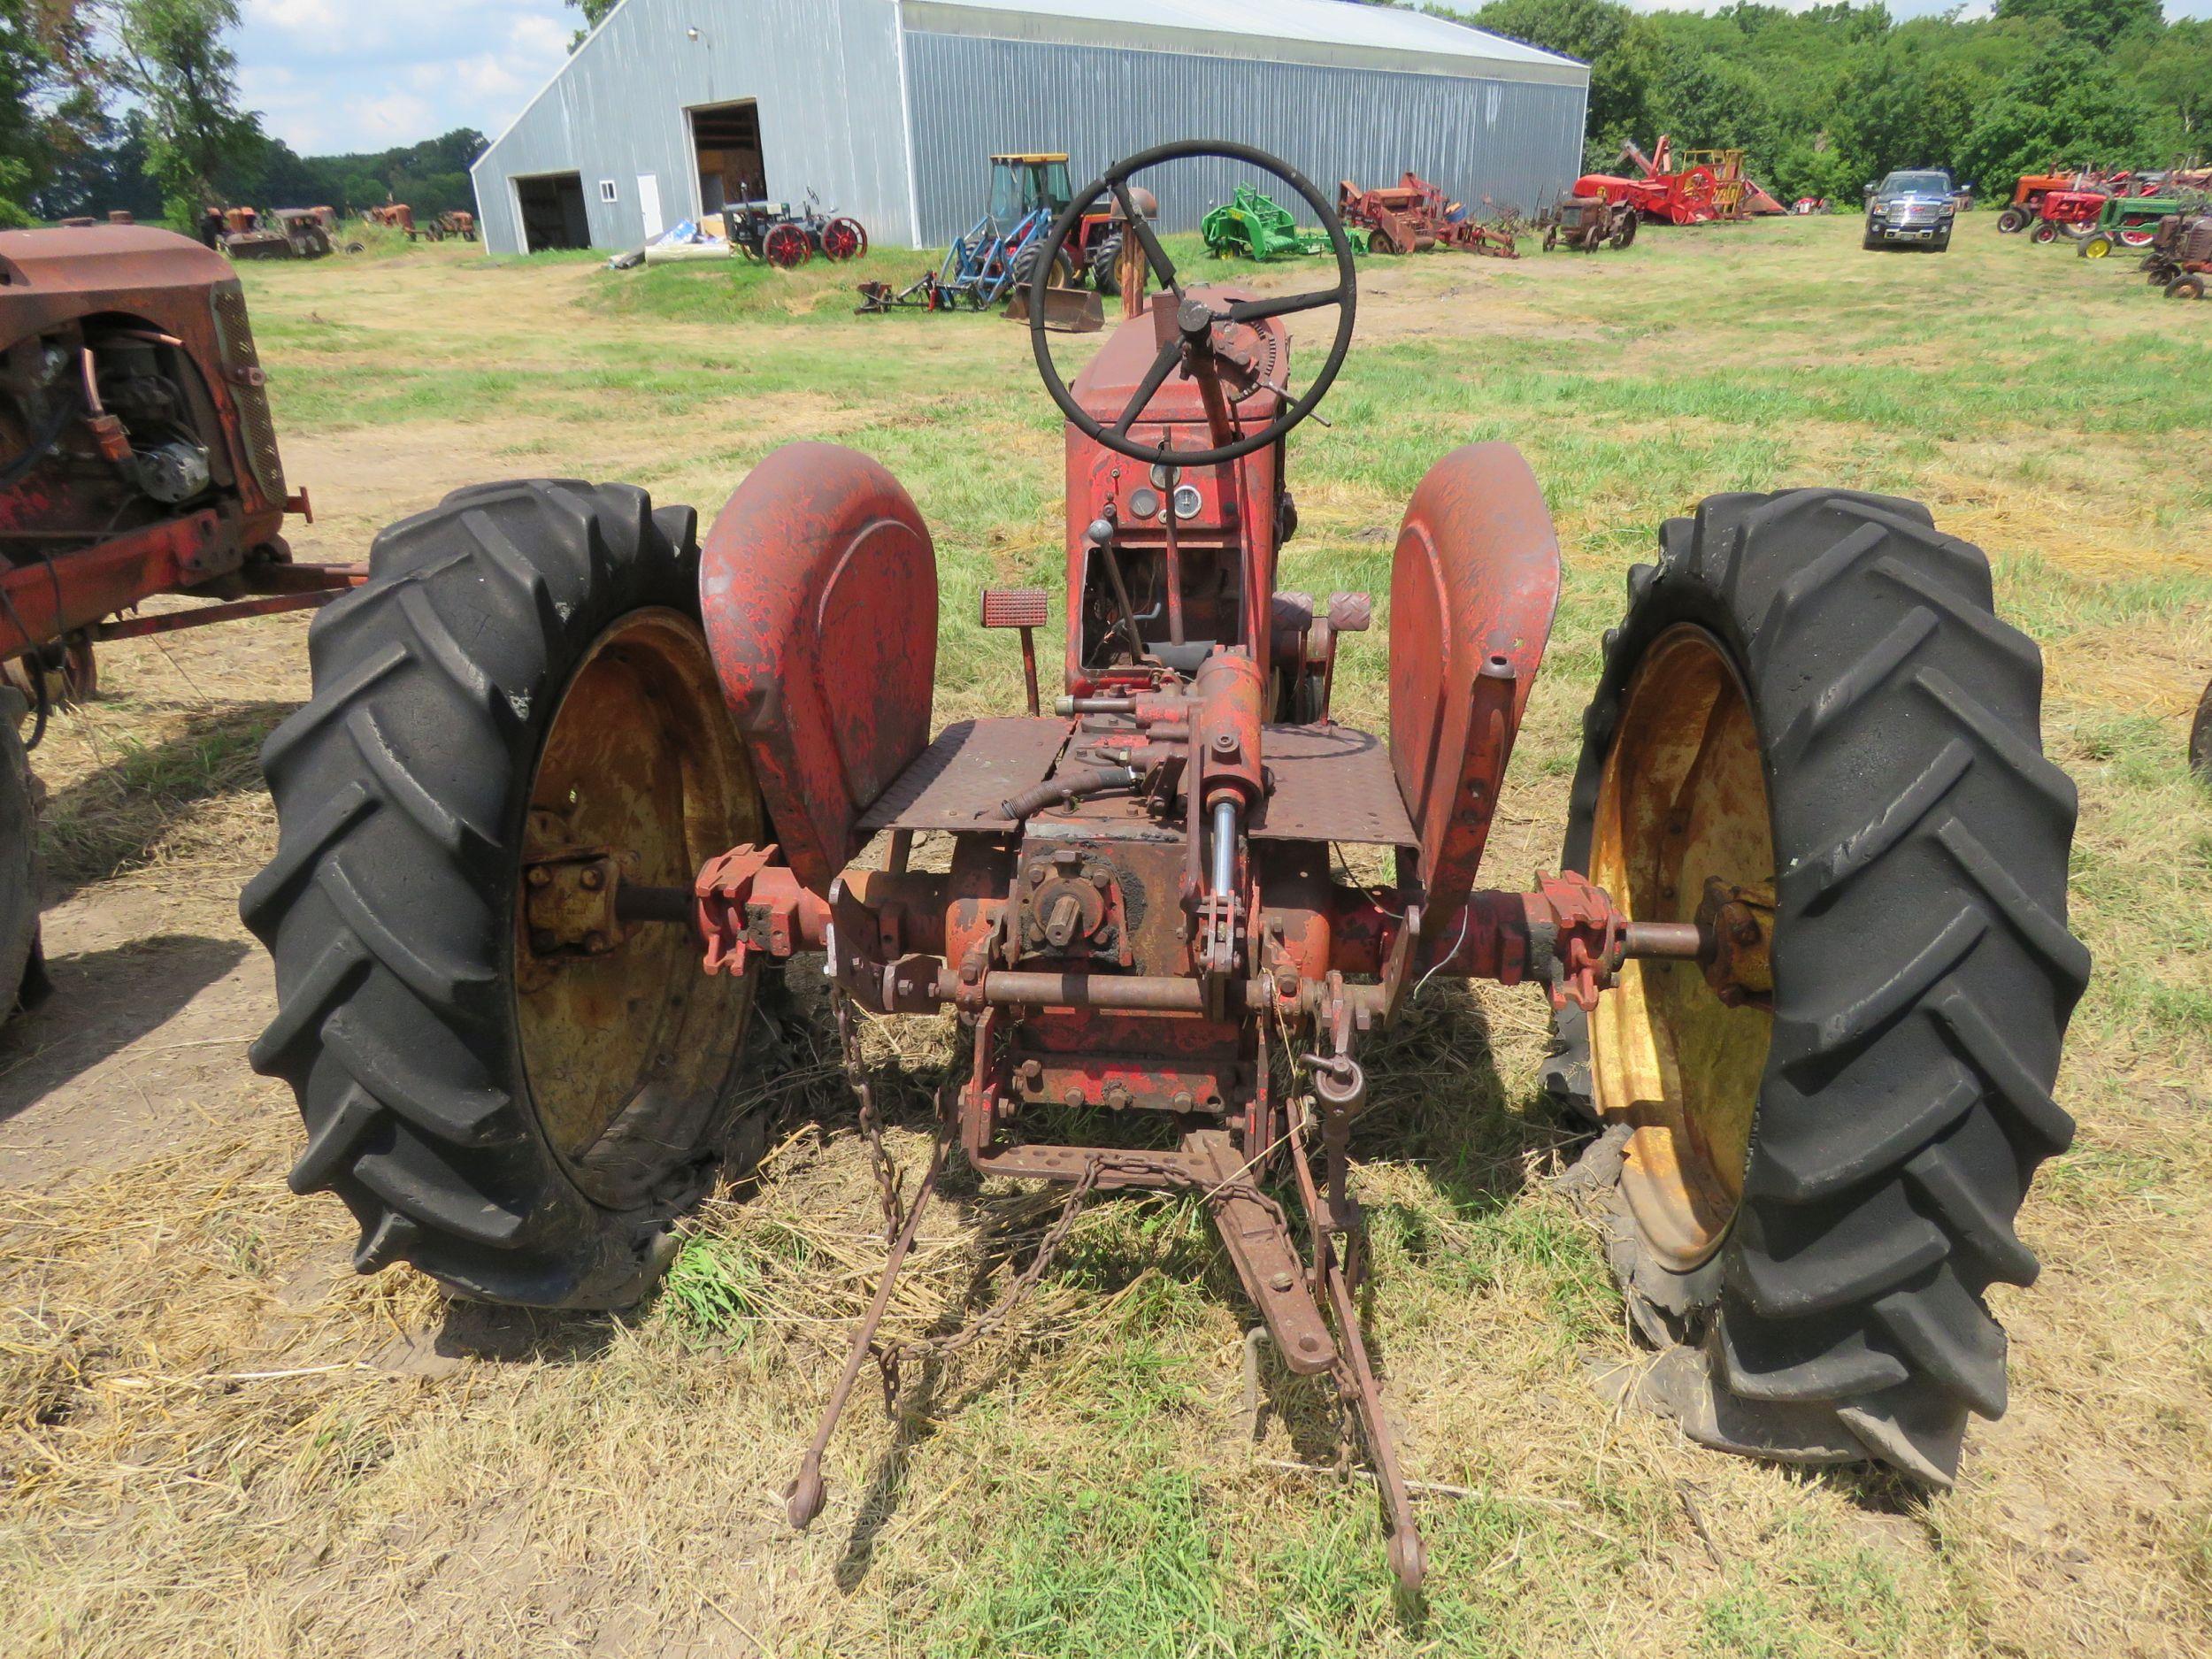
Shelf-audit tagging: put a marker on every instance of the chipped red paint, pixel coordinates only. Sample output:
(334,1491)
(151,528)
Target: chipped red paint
(818,585)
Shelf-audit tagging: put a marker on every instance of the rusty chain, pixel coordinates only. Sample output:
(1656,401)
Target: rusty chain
(888,1180)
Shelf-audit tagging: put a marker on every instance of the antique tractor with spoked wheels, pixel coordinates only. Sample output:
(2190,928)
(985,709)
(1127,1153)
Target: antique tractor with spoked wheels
(571,787)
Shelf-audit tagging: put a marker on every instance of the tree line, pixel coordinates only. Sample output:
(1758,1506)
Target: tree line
(1830,98)
(132,105)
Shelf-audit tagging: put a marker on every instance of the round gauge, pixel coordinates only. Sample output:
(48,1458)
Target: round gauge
(1165,476)
(1145,504)
(1186,501)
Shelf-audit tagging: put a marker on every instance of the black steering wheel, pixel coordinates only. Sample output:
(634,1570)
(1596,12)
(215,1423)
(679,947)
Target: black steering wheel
(1195,320)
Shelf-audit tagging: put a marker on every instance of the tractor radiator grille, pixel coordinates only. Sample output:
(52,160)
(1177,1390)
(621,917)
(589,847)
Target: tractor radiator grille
(241,366)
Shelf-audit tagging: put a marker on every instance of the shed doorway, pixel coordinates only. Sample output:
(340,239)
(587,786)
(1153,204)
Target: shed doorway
(726,137)
(552,210)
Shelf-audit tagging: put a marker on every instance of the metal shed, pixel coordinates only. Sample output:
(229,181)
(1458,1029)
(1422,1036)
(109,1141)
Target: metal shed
(889,109)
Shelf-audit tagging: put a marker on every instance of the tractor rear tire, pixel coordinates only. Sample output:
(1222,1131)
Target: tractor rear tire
(1847,1175)
(22,969)
(1025,267)
(522,676)
(1106,263)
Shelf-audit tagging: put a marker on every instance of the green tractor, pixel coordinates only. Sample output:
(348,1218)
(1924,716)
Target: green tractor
(2132,221)
(1252,226)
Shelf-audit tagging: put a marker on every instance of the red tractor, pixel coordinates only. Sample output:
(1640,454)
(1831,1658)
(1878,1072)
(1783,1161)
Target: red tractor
(137,457)
(2072,213)
(573,788)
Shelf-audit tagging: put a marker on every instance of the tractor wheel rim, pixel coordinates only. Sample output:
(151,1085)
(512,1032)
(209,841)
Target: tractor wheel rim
(1683,802)
(641,762)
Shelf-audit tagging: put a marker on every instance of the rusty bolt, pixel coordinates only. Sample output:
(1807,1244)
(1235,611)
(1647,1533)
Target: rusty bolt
(595,941)
(1285,980)
(539,876)
(592,878)
(1074,1096)
(1224,742)
(1118,1098)
(1281,1281)
(1033,1074)
(1101,879)
(1183,1102)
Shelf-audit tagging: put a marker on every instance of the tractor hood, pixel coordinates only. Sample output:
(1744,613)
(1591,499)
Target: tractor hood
(50,275)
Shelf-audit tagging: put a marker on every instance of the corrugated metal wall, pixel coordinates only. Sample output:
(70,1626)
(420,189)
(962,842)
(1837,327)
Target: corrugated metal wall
(1513,142)
(826,74)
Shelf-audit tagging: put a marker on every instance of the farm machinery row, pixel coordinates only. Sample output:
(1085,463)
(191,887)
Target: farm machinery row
(2100,211)
(574,787)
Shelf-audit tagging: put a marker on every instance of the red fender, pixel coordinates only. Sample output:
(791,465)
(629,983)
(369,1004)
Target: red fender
(818,586)
(1473,589)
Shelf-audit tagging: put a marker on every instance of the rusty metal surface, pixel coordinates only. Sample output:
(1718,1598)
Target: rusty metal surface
(1259,1244)
(1683,825)
(1331,783)
(621,1036)
(1473,588)
(958,781)
(818,584)
(97,583)
(108,289)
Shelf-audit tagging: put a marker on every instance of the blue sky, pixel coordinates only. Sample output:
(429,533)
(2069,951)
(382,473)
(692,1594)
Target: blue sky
(330,75)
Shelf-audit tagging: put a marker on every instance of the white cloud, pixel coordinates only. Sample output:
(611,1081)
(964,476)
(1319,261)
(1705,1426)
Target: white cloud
(334,75)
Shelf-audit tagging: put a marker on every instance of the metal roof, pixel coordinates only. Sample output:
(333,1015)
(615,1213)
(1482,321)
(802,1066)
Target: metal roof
(1331,31)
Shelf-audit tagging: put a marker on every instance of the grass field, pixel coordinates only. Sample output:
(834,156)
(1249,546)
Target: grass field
(215,1441)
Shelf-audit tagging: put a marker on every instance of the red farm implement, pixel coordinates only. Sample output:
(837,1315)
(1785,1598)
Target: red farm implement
(572,787)
(1414,216)
(140,459)
(1689,195)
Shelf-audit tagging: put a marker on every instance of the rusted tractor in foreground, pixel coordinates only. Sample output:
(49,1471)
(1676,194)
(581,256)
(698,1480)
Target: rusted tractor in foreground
(137,457)
(573,786)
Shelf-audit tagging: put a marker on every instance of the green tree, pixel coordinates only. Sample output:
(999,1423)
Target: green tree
(594,13)
(1602,34)
(2173,70)
(2098,23)
(2064,107)
(177,64)
(22,67)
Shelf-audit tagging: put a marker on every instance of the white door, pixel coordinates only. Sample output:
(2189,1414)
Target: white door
(649,203)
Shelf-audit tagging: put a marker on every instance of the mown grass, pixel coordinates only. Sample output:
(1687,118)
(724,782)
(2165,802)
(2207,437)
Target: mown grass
(1081,1486)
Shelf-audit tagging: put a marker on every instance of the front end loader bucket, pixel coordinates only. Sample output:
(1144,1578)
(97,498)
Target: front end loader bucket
(1067,311)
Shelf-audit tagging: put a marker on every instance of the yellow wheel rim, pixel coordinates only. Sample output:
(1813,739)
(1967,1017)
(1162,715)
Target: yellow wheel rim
(1682,803)
(626,1052)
